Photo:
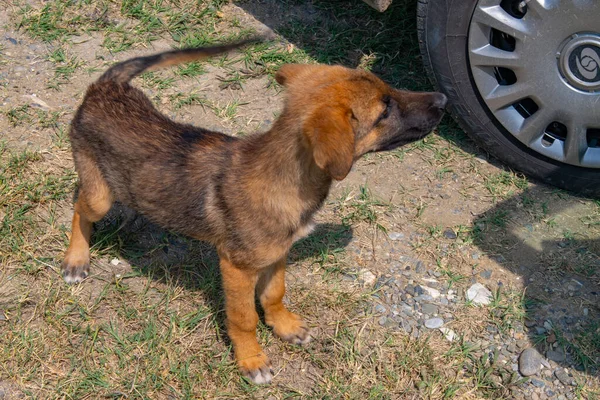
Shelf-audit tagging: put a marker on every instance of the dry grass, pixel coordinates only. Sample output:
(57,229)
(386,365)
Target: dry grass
(151,326)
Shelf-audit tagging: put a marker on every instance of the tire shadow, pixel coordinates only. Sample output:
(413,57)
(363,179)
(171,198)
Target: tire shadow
(560,269)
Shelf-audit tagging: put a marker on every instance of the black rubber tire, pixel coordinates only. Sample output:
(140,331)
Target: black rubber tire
(443,28)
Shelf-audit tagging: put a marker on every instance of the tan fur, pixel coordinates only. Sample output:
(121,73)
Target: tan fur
(250,197)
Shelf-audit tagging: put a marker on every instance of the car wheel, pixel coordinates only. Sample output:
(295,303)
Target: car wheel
(523,79)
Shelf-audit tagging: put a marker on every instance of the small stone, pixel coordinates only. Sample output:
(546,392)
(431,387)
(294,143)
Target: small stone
(563,376)
(382,321)
(586,311)
(539,330)
(380,309)
(479,294)
(410,289)
(555,355)
(419,290)
(420,268)
(538,383)
(444,301)
(396,235)
(449,234)
(548,325)
(448,333)
(530,362)
(434,323)
(367,277)
(115,261)
(429,309)
(487,274)
(431,291)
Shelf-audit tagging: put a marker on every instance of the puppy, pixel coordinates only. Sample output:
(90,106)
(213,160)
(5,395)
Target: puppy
(250,197)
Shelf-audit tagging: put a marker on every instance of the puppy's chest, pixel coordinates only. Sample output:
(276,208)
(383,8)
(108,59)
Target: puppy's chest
(304,230)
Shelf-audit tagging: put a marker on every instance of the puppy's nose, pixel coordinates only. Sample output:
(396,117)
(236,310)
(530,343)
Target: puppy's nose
(438,100)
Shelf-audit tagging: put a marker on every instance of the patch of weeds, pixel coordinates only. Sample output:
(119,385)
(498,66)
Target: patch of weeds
(362,208)
(24,190)
(504,184)
(233,80)
(191,69)
(18,115)
(508,307)
(584,345)
(266,58)
(451,276)
(64,67)
(441,173)
(229,110)
(179,100)
(156,81)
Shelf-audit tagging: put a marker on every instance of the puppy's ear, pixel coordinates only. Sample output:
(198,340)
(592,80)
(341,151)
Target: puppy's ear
(288,72)
(331,136)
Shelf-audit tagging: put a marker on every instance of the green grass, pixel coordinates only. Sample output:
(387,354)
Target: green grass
(18,115)
(362,207)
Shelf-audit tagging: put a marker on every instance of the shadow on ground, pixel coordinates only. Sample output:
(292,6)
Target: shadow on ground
(192,264)
(561,275)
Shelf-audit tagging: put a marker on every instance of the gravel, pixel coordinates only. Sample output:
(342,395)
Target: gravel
(414,297)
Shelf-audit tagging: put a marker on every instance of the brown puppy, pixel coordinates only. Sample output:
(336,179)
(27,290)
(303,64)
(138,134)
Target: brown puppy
(251,197)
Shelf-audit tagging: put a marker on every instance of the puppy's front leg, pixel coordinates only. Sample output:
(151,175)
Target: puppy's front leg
(239,285)
(271,289)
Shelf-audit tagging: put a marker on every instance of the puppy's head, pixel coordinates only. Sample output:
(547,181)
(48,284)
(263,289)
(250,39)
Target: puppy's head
(346,113)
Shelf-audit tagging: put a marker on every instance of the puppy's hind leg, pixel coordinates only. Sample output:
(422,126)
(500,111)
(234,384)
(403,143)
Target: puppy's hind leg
(94,201)
(271,289)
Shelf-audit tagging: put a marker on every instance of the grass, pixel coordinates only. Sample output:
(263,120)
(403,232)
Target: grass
(152,326)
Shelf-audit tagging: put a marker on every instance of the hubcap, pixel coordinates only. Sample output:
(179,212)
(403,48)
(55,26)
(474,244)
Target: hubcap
(536,65)
(579,62)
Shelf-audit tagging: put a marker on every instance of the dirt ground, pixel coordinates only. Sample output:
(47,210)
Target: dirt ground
(439,213)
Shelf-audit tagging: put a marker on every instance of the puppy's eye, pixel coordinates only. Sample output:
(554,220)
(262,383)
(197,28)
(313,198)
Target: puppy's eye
(386,112)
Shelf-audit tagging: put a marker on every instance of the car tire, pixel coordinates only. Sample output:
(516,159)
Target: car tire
(443,30)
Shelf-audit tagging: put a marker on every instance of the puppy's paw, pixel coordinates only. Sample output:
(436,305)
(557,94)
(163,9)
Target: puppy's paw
(257,369)
(292,329)
(75,272)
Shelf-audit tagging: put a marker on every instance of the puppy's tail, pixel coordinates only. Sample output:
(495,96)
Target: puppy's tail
(125,71)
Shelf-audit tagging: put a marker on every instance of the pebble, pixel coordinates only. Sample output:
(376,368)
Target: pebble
(555,355)
(434,323)
(115,261)
(530,362)
(563,376)
(487,274)
(396,235)
(434,293)
(538,383)
(367,277)
(380,309)
(429,309)
(449,234)
(479,294)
